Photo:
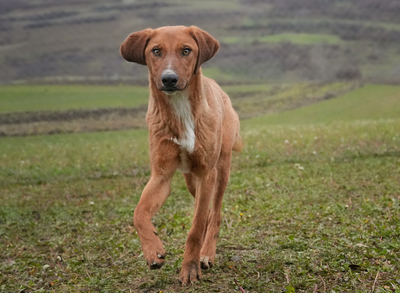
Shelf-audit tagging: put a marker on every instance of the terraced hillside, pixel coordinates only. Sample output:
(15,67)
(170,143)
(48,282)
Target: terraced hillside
(72,41)
(32,110)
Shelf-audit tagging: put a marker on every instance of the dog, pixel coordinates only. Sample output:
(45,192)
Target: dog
(192,127)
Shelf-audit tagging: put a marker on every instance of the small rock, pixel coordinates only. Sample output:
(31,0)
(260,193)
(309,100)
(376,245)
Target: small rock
(236,258)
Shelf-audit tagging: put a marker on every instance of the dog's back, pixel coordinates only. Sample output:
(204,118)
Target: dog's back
(231,119)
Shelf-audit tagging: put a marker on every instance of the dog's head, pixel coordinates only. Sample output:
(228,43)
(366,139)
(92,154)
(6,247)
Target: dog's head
(173,54)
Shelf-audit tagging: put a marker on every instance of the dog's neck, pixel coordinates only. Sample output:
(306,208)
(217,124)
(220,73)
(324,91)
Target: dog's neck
(183,112)
(179,111)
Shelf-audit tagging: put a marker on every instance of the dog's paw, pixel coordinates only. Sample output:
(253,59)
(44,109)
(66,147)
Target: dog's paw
(206,262)
(190,273)
(154,256)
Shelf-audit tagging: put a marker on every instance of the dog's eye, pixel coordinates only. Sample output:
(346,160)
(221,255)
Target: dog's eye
(186,52)
(157,52)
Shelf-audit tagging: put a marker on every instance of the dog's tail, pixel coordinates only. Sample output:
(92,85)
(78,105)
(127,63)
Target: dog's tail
(238,144)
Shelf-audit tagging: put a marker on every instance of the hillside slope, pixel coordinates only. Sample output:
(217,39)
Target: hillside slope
(368,102)
(51,41)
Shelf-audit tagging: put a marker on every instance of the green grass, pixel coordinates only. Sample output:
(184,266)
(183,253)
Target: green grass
(42,159)
(59,97)
(368,102)
(216,73)
(310,206)
(247,88)
(303,39)
(249,103)
(331,20)
(34,98)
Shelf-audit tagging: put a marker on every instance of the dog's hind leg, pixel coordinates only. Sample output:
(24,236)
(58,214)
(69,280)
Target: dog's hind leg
(205,186)
(208,251)
(190,183)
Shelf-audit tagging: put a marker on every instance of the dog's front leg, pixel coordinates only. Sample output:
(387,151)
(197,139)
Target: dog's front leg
(191,259)
(154,195)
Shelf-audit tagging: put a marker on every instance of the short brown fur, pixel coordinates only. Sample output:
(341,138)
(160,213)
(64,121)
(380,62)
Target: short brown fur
(207,165)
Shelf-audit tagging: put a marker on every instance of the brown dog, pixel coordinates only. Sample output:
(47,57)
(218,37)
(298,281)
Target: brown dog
(192,127)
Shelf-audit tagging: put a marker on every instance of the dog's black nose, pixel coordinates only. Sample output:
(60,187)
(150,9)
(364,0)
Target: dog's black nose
(169,80)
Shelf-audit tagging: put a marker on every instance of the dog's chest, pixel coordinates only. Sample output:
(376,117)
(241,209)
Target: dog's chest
(183,111)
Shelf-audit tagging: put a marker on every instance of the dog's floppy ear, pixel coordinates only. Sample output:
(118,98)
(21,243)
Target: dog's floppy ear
(208,46)
(132,49)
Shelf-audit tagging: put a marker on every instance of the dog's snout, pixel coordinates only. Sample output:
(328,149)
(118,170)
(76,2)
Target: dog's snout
(169,80)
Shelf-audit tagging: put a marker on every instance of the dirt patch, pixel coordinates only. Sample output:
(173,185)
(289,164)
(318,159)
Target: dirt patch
(71,121)
(69,115)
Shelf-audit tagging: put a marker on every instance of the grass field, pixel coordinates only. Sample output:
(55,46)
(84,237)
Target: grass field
(302,39)
(313,205)
(35,98)
(23,98)
(368,102)
(35,110)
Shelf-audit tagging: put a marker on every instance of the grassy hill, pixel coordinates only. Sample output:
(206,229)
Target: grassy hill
(77,42)
(44,109)
(61,98)
(367,102)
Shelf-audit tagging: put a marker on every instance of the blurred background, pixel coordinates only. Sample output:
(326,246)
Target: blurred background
(278,54)
(261,41)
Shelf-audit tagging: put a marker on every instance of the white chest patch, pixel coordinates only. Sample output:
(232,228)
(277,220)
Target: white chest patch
(183,112)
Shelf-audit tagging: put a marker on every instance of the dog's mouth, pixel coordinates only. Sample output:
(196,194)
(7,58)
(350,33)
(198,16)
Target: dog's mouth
(170,91)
